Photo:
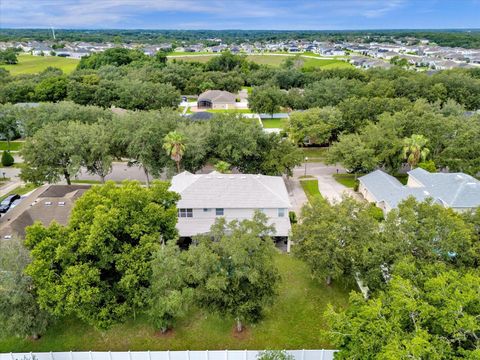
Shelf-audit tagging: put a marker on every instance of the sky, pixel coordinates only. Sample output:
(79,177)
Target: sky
(241,14)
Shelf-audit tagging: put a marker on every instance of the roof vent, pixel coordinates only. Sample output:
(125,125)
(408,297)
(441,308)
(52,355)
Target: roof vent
(243,177)
(48,203)
(426,192)
(61,203)
(7,237)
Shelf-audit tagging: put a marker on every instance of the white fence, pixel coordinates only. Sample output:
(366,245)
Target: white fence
(164,355)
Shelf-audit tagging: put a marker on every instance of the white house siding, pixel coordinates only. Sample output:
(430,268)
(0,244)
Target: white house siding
(366,194)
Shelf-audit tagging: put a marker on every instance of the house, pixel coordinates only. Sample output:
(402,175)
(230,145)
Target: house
(458,191)
(45,204)
(206,197)
(216,99)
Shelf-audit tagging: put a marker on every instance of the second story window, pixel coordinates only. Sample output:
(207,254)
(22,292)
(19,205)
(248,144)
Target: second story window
(184,213)
(219,211)
(281,212)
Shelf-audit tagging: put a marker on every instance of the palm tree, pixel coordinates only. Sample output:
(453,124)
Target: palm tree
(414,149)
(174,144)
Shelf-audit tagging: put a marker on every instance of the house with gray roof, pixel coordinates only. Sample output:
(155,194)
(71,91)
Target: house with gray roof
(206,197)
(458,191)
(216,99)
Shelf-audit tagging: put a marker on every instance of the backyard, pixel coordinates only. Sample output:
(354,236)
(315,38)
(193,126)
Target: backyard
(295,321)
(14,145)
(29,64)
(274,123)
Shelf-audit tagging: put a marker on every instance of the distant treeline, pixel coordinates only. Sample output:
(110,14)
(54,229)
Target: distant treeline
(453,38)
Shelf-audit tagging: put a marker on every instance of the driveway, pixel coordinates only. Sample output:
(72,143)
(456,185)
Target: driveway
(328,186)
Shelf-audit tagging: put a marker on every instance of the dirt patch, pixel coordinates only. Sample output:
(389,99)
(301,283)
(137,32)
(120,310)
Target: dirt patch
(244,335)
(170,333)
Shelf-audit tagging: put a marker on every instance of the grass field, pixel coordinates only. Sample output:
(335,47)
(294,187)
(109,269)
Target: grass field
(240,111)
(277,60)
(29,64)
(14,145)
(274,123)
(311,188)
(295,321)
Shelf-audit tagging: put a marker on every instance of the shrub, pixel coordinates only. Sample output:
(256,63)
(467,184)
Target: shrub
(274,355)
(7,158)
(376,213)
(428,166)
(293,217)
(355,187)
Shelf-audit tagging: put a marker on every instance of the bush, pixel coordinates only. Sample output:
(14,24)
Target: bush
(7,158)
(376,213)
(428,166)
(274,355)
(293,217)
(355,187)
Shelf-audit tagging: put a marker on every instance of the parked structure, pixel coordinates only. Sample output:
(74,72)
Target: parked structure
(458,191)
(216,99)
(206,197)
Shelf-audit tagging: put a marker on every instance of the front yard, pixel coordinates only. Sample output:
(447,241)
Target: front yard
(295,321)
(311,188)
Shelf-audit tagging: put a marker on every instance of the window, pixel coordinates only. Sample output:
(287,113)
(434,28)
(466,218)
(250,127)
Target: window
(281,212)
(184,213)
(206,209)
(219,211)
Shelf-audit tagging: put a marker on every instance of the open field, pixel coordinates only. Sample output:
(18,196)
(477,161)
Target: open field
(295,321)
(276,60)
(29,64)
(311,188)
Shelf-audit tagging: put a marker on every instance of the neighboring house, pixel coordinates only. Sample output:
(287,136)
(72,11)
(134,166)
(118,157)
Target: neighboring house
(207,197)
(46,204)
(458,191)
(216,99)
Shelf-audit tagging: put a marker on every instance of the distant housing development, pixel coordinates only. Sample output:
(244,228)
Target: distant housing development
(206,197)
(458,191)
(216,99)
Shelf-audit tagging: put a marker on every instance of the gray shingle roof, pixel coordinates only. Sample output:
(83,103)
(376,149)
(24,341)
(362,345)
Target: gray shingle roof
(217,96)
(455,190)
(217,190)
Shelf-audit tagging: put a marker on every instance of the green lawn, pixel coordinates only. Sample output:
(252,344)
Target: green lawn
(347,180)
(274,123)
(14,145)
(311,188)
(29,64)
(21,190)
(295,321)
(315,154)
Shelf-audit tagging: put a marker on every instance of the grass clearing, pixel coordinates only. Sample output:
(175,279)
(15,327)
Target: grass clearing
(315,154)
(274,123)
(14,145)
(276,60)
(29,64)
(311,188)
(347,180)
(294,321)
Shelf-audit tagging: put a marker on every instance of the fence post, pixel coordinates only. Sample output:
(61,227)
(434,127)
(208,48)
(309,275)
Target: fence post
(11,355)
(71,355)
(149,355)
(90,355)
(188,354)
(226,354)
(168,354)
(206,355)
(31,355)
(323,353)
(51,355)
(110,355)
(246,355)
(303,354)
(129,355)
